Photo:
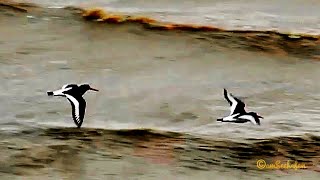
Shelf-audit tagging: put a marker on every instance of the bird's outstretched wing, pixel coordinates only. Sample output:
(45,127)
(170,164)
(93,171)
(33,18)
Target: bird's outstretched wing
(226,96)
(237,106)
(78,109)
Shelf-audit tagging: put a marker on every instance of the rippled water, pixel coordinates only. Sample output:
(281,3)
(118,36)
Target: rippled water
(160,80)
(169,81)
(286,15)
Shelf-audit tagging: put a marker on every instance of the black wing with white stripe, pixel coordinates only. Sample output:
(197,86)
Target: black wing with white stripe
(78,109)
(237,106)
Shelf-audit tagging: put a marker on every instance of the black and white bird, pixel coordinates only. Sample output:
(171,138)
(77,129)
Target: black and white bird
(237,112)
(74,94)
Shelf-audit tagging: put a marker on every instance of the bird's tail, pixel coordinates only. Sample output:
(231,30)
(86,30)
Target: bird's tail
(56,93)
(220,119)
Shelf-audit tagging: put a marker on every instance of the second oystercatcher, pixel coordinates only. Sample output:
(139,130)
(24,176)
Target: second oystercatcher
(237,112)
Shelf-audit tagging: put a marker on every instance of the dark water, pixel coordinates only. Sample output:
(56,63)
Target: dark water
(99,154)
(160,94)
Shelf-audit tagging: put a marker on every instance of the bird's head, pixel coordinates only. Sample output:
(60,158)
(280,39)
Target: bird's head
(255,115)
(86,87)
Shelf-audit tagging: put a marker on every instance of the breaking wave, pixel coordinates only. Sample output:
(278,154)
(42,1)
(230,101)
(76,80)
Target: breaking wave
(275,42)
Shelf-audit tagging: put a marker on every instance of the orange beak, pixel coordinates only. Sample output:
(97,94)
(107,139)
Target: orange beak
(93,89)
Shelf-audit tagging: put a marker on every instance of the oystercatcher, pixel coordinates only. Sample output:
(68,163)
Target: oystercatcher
(74,94)
(237,112)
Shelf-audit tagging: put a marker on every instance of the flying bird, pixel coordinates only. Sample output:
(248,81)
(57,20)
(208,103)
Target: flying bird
(237,112)
(74,94)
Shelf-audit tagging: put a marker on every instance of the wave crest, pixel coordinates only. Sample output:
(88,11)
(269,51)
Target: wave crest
(298,45)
